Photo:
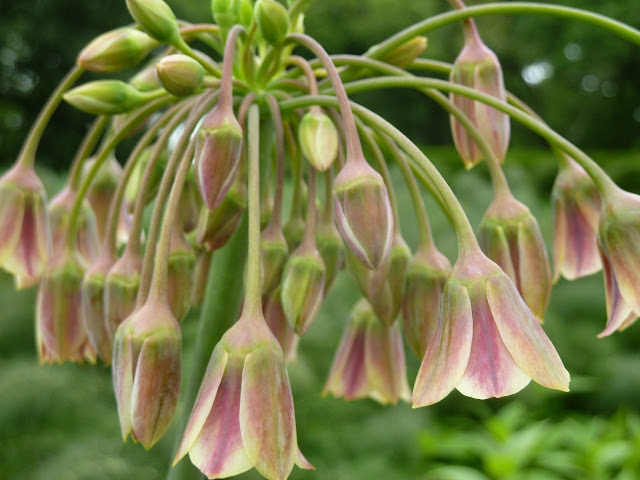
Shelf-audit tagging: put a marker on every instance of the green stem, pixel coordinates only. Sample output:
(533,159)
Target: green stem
(296,173)
(86,147)
(132,122)
(27,156)
(271,61)
(184,47)
(247,55)
(276,216)
(530,8)
(253,297)
(309,238)
(220,310)
(298,7)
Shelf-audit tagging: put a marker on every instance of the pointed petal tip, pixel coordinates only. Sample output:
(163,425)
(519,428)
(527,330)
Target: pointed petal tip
(302,462)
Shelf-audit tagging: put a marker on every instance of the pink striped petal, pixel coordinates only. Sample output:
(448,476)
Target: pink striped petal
(448,352)
(11,214)
(619,314)
(525,340)
(123,382)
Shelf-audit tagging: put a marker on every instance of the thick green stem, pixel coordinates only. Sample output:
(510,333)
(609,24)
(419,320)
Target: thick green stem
(220,310)
(27,156)
(86,147)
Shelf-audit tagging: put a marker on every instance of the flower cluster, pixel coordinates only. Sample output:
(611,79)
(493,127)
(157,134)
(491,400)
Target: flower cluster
(215,139)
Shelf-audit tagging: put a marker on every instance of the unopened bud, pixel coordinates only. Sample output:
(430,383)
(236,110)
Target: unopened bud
(121,289)
(273,21)
(224,12)
(180,75)
(245,12)
(332,251)
(319,140)
(405,54)
(116,50)
(105,97)
(156,18)
(180,275)
(146,80)
(294,231)
(273,255)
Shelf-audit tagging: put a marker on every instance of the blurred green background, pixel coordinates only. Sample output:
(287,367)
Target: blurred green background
(60,422)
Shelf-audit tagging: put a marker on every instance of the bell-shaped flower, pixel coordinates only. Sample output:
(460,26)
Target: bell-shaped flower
(370,360)
(576,210)
(510,236)
(478,67)
(425,280)
(243,416)
(25,233)
(147,362)
(121,289)
(218,149)
(279,326)
(486,342)
(363,212)
(618,241)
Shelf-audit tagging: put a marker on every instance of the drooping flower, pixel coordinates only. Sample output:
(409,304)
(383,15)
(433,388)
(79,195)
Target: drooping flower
(243,416)
(486,343)
(576,210)
(370,360)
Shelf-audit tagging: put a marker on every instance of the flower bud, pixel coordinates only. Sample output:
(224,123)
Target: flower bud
(363,213)
(224,12)
(425,280)
(217,155)
(147,361)
(318,138)
(405,54)
(189,205)
(216,227)
(293,231)
(277,321)
(201,277)
(180,75)
(486,342)
(93,306)
(332,251)
(121,289)
(60,327)
(273,255)
(146,79)
(25,233)
(245,12)
(273,21)
(478,67)
(302,288)
(576,208)
(180,275)
(618,242)
(133,185)
(370,360)
(510,236)
(116,50)
(105,97)
(156,18)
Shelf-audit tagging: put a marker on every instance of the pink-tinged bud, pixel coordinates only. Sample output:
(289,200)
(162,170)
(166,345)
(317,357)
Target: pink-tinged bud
(217,155)
(406,53)
(105,97)
(384,287)
(147,361)
(486,342)
(576,209)
(370,360)
(332,251)
(201,277)
(25,233)
(510,236)
(121,289)
(425,280)
(478,67)
(318,139)
(619,245)
(180,75)
(59,323)
(216,227)
(93,306)
(273,256)
(243,416)
(87,240)
(133,185)
(363,213)
(102,192)
(189,206)
(182,262)
(277,322)
(302,288)
(156,18)
(116,50)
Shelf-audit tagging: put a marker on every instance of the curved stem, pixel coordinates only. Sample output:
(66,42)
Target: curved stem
(86,147)
(276,217)
(226,87)
(185,48)
(27,155)
(253,298)
(304,65)
(503,8)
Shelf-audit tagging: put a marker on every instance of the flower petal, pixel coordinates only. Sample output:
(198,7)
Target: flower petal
(123,382)
(619,314)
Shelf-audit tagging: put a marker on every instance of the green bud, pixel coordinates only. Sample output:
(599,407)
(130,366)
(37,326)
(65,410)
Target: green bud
(273,21)
(319,139)
(180,75)
(405,54)
(105,97)
(146,80)
(273,255)
(116,50)
(156,18)
(332,251)
(245,12)
(224,12)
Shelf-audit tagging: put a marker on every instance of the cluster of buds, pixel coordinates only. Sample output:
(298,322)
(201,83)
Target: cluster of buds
(211,135)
